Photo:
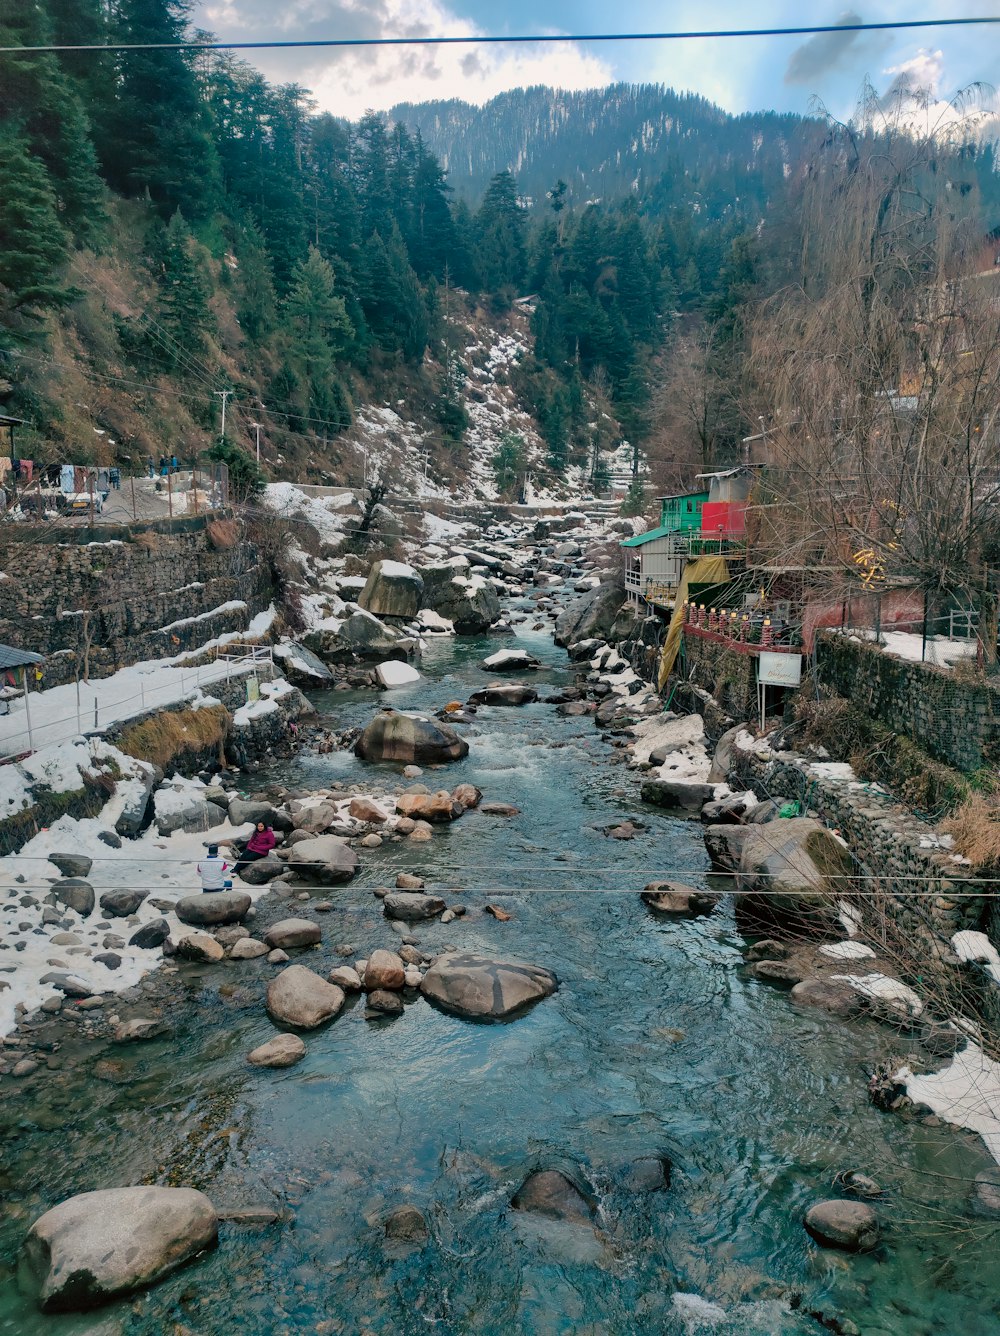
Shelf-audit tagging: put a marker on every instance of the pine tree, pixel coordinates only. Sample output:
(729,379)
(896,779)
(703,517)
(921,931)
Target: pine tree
(37,95)
(158,131)
(33,242)
(257,302)
(500,227)
(317,317)
(184,289)
(371,170)
(390,294)
(433,239)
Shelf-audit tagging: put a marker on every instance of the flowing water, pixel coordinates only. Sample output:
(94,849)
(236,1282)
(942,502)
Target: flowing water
(657,1043)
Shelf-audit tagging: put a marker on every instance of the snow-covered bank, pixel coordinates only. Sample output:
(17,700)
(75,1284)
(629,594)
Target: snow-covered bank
(59,712)
(966,1093)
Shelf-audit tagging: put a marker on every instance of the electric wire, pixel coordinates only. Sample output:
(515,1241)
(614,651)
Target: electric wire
(527,39)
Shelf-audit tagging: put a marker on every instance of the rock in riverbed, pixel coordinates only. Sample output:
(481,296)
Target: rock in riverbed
(284,1050)
(384,972)
(324,860)
(476,985)
(843,1224)
(551,1193)
(72,865)
(412,907)
(289,933)
(672,897)
(213,907)
(100,1244)
(75,894)
(299,997)
(410,739)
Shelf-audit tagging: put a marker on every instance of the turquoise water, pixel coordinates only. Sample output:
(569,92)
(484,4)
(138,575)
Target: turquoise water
(657,1042)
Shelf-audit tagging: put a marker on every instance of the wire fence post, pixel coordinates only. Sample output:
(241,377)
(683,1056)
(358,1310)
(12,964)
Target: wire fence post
(135,514)
(79,726)
(170,495)
(95,712)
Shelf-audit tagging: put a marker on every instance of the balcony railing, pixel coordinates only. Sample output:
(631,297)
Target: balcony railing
(747,632)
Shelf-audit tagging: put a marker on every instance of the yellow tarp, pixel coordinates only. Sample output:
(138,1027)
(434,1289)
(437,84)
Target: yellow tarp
(704,571)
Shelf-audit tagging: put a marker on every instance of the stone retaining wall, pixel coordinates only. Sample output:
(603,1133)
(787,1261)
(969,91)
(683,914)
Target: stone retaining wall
(142,592)
(886,840)
(956,721)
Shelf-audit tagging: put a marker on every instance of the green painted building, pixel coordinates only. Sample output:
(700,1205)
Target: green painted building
(654,560)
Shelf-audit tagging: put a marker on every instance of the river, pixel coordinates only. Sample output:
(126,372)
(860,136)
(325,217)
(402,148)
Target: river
(656,1043)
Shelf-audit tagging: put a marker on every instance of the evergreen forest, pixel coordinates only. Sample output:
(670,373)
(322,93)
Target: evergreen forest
(172,225)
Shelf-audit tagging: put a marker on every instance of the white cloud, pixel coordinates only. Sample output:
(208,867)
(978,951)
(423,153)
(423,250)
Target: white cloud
(347,82)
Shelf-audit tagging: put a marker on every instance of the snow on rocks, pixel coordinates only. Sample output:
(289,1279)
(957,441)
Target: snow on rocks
(394,673)
(966,1093)
(976,947)
(888,996)
(847,951)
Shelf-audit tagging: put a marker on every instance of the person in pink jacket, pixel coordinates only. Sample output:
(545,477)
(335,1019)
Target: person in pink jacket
(259,845)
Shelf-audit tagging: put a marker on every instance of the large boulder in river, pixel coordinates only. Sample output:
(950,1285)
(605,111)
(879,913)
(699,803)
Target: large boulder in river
(213,907)
(411,906)
(261,871)
(792,872)
(552,1194)
(302,667)
(591,616)
(75,894)
(724,845)
(851,1225)
(504,693)
(511,661)
(410,739)
(299,997)
(292,932)
(725,754)
(242,810)
(686,795)
(470,984)
(325,860)
(465,600)
(435,807)
(97,1245)
(360,636)
(72,865)
(392,589)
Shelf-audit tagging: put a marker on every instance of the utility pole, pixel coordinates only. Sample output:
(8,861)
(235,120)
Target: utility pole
(256,425)
(223,395)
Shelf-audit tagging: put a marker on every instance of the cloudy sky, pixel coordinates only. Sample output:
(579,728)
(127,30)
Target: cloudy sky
(740,74)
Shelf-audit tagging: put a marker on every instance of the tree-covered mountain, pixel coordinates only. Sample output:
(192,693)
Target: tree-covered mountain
(609,142)
(172,226)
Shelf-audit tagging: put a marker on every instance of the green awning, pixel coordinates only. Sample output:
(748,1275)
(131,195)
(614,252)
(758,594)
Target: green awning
(641,538)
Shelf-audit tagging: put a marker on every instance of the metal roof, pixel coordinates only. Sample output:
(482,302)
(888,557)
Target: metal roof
(6,421)
(642,538)
(12,657)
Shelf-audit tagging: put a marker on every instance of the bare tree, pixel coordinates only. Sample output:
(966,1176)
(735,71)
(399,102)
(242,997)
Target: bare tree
(878,373)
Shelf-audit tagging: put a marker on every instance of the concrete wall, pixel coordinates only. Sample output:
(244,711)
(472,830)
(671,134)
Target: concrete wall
(145,591)
(956,721)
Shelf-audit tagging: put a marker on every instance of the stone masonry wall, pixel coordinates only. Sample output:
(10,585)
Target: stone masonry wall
(729,676)
(888,841)
(956,721)
(141,592)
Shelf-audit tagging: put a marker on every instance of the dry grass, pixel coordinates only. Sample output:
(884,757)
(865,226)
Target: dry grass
(223,534)
(163,738)
(149,540)
(975,828)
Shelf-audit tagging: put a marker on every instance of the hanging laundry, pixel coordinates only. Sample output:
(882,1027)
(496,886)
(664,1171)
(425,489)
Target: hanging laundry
(66,479)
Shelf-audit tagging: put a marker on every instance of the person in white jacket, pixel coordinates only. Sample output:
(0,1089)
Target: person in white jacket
(212,869)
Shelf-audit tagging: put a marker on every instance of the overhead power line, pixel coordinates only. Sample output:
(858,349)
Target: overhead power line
(521,38)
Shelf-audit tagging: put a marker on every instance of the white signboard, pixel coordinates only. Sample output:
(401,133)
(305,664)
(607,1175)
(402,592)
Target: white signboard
(779,670)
